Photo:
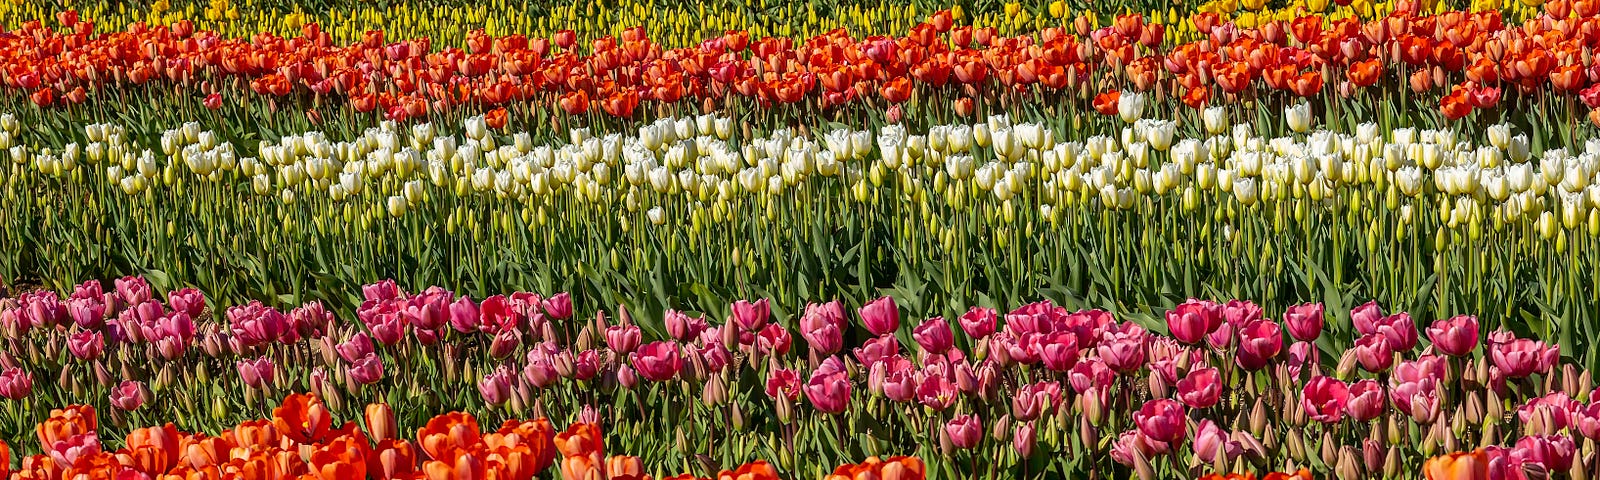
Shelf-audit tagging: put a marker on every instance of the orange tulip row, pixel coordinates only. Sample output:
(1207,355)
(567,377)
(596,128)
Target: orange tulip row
(301,441)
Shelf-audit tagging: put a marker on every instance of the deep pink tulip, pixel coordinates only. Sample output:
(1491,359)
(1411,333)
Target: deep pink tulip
(821,333)
(586,364)
(1058,351)
(464,315)
(429,310)
(1324,399)
(559,306)
(1553,452)
(978,322)
(257,373)
(1090,373)
(134,290)
(881,316)
(86,344)
(1304,321)
(1241,312)
(1201,388)
(496,314)
(541,372)
(623,339)
(1586,420)
(936,391)
(934,335)
(1211,440)
(1366,401)
(16,383)
(1301,355)
(1418,399)
(895,379)
(1124,350)
(1456,336)
(751,316)
(783,383)
(774,340)
(366,370)
(965,431)
(1367,317)
(382,291)
(1162,420)
(129,395)
(505,343)
(657,361)
(1023,440)
(828,391)
(88,313)
(1374,353)
(715,356)
(359,345)
(187,300)
(74,450)
(1190,321)
(1522,357)
(1556,407)
(877,349)
(496,386)
(1259,343)
(43,309)
(1400,330)
(88,289)
(682,327)
(1034,400)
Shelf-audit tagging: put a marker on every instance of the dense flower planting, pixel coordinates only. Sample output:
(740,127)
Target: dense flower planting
(1023,390)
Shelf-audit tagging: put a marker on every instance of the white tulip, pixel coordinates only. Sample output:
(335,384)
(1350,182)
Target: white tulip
(1298,117)
(1216,120)
(1130,106)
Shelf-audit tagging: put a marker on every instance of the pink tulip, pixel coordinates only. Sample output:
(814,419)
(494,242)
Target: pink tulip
(388,330)
(87,312)
(1522,357)
(366,370)
(895,379)
(1133,444)
(43,309)
(783,383)
(881,316)
(256,373)
(627,377)
(1324,399)
(1241,312)
(1304,321)
(1123,351)
(1201,388)
(623,339)
(429,310)
(1366,400)
(1190,321)
(1058,351)
(1400,330)
(829,389)
(774,340)
(1586,420)
(1374,353)
(1418,399)
(965,431)
(380,292)
(1259,343)
(465,316)
(129,395)
(559,306)
(821,333)
(1090,373)
(16,383)
(978,322)
(657,361)
(1367,317)
(1023,439)
(86,344)
(586,365)
(89,289)
(505,343)
(359,345)
(1556,407)
(1211,440)
(877,349)
(1162,420)
(187,300)
(540,372)
(1035,399)
(715,356)
(134,290)
(496,387)
(750,317)
(1553,452)
(682,327)
(934,335)
(1456,336)
(70,452)
(496,314)
(1301,355)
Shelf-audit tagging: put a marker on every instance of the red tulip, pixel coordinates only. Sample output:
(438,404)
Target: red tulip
(623,339)
(751,316)
(978,322)
(1324,399)
(1373,352)
(213,101)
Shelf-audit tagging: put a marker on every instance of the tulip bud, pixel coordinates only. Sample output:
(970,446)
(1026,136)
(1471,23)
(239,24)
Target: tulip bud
(1296,445)
(715,391)
(1474,408)
(1258,418)
(738,417)
(219,408)
(380,422)
(1001,430)
(1348,467)
(1330,449)
(1087,433)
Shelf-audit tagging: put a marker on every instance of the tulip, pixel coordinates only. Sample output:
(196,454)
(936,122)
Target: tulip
(496,386)
(934,335)
(1123,351)
(657,361)
(1522,357)
(1162,420)
(881,316)
(1210,442)
(751,316)
(1366,401)
(1374,353)
(128,395)
(380,422)
(1259,343)
(1400,330)
(559,306)
(1130,106)
(1190,321)
(257,373)
(1058,351)
(1464,465)
(1304,321)
(783,383)
(1456,336)
(86,344)
(828,391)
(1201,388)
(1023,439)
(1298,117)
(1324,399)
(623,339)
(366,370)
(965,431)
(978,322)
(15,383)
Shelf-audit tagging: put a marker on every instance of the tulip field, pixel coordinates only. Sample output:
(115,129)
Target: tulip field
(899,240)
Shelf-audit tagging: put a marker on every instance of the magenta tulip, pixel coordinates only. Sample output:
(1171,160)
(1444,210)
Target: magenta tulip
(657,361)
(559,306)
(1210,441)
(87,312)
(1201,388)
(1304,321)
(1058,351)
(750,317)
(359,345)
(257,373)
(978,322)
(366,370)
(828,391)
(783,383)
(16,383)
(934,335)
(965,431)
(1090,373)
(128,395)
(877,349)
(1023,439)
(1373,353)
(1586,420)
(1522,357)
(1553,452)
(1259,343)
(881,316)
(1162,420)
(1124,350)
(187,300)
(1190,321)
(1324,399)
(465,316)
(1456,336)
(86,344)
(682,327)
(1367,317)
(936,392)
(134,290)
(623,339)
(1366,400)
(496,387)
(1400,330)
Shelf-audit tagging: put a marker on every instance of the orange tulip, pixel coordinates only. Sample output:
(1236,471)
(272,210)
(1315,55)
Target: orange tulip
(380,420)
(445,434)
(155,449)
(254,433)
(1472,465)
(1366,73)
(202,451)
(302,418)
(65,423)
(757,470)
(5,459)
(904,468)
(465,466)
(1106,103)
(392,459)
(581,440)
